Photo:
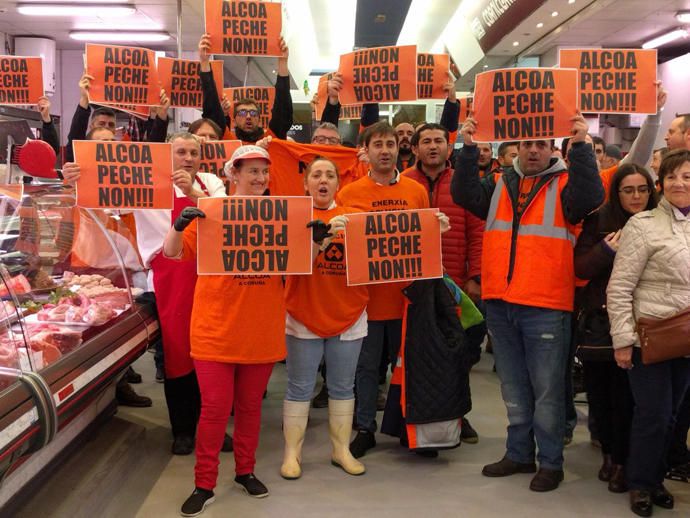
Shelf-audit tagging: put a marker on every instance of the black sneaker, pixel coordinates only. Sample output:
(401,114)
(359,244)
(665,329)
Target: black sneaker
(183,445)
(362,442)
(197,502)
(227,443)
(321,399)
(467,433)
(251,485)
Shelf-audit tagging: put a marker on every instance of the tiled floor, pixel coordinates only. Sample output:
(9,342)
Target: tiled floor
(397,484)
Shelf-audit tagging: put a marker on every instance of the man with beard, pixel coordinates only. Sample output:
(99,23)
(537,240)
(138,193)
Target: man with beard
(406,157)
(245,112)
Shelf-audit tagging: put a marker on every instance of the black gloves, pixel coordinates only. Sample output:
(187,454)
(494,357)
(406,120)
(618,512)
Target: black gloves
(186,217)
(319,231)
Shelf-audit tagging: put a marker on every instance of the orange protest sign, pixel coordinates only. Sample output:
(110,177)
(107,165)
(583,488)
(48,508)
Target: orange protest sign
(124,175)
(382,74)
(393,246)
(214,154)
(432,75)
(182,83)
(465,108)
(141,112)
(614,80)
(244,27)
(263,96)
(122,75)
(21,80)
(351,112)
(254,234)
(322,94)
(524,103)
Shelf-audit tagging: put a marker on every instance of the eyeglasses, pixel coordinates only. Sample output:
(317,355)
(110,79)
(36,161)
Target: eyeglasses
(320,139)
(244,113)
(629,191)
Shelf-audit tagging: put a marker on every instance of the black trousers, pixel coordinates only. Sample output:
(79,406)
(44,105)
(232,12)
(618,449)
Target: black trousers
(611,405)
(184,404)
(678,452)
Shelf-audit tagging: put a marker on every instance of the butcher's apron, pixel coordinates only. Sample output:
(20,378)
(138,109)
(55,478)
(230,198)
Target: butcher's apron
(174,283)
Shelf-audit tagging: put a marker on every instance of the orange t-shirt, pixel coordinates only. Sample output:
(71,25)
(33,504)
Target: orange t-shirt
(606,175)
(385,300)
(236,318)
(322,301)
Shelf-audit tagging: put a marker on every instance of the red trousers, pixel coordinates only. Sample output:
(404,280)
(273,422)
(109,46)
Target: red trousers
(222,386)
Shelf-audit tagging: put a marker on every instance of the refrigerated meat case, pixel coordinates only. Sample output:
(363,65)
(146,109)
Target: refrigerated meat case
(70,325)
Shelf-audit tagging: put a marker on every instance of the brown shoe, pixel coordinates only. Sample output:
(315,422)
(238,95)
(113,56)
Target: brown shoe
(606,469)
(126,396)
(506,467)
(617,483)
(546,480)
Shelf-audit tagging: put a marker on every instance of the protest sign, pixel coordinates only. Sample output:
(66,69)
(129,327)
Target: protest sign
(614,80)
(214,154)
(322,94)
(263,96)
(182,83)
(351,112)
(393,246)
(254,234)
(141,112)
(124,175)
(122,75)
(382,74)
(21,80)
(524,104)
(432,75)
(243,27)
(465,108)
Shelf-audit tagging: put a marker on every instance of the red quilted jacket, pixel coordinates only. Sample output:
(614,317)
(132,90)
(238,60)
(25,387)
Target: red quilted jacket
(462,244)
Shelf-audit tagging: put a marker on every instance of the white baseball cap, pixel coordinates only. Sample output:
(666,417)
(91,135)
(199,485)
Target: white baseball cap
(247,152)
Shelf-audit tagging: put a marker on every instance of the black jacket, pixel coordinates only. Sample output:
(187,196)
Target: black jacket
(436,356)
(281,112)
(50,136)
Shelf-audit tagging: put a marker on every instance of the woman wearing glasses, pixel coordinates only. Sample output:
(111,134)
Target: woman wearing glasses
(608,393)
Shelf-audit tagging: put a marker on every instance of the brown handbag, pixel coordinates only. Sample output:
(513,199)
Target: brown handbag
(665,338)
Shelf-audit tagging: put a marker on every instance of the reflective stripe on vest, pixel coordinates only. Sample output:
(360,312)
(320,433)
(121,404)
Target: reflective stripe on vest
(548,228)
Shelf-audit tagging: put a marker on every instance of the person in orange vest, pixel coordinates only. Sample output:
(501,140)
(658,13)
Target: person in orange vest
(528,283)
(245,111)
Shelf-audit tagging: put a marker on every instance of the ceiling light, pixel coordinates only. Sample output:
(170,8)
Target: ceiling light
(516,43)
(665,38)
(683,16)
(554,14)
(119,36)
(540,25)
(73,9)
(571,1)
(486,66)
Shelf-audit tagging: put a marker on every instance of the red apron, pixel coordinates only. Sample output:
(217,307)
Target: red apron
(174,283)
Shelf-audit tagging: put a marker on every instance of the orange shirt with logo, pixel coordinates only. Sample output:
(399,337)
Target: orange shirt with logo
(235,318)
(386,300)
(322,301)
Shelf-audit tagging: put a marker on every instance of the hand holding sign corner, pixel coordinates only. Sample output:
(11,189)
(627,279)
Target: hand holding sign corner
(580,128)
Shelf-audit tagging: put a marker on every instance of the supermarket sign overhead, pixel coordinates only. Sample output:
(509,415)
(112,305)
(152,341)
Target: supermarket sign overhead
(470,34)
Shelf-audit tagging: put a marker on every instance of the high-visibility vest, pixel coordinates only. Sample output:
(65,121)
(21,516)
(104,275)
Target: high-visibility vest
(530,263)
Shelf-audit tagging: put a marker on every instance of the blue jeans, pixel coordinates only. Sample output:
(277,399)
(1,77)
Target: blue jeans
(304,357)
(531,347)
(658,391)
(381,332)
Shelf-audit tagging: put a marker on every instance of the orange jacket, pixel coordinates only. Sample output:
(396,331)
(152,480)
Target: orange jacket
(543,273)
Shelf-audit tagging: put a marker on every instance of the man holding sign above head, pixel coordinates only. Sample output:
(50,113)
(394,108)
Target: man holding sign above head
(234,356)
(245,111)
(528,283)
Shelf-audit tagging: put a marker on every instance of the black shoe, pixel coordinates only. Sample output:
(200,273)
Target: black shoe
(641,502)
(428,454)
(467,433)
(321,399)
(197,502)
(546,480)
(662,498)
(132,377)
(160,375)
(680,473)
(227,443)
(126,396)
(362,442)
(183,445)
(506,467)
(251,485)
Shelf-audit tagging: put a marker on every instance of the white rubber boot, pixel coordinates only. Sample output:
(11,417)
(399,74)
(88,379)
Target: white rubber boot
(340,414)
(295,417)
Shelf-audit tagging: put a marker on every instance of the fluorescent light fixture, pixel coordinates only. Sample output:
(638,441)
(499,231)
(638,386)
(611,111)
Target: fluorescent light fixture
(665,38)
(554,14)
(119,36)
(74,9)
(683,16)
(516,43)
(335,31)
(540,25)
